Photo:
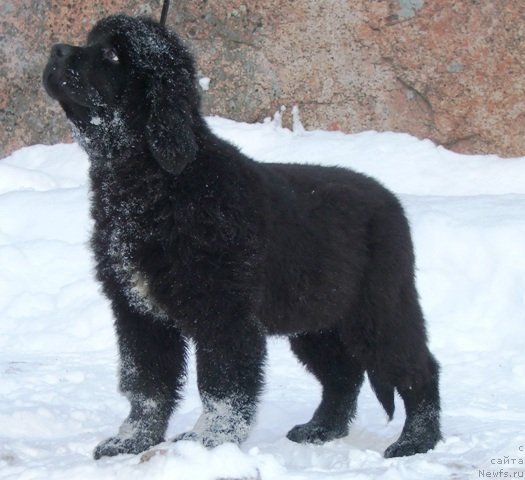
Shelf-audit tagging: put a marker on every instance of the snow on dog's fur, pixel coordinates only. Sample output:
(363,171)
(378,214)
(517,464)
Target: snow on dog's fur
(193,240)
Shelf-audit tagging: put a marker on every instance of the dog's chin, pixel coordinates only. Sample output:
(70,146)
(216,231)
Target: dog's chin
(73,100)
(78,112)
(60,89)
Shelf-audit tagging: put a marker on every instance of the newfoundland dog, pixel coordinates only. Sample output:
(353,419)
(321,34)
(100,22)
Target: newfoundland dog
(194,240)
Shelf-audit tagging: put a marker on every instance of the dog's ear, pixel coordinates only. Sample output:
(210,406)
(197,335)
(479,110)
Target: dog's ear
(169,128)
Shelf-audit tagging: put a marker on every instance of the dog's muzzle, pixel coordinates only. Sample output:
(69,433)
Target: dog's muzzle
(54,78)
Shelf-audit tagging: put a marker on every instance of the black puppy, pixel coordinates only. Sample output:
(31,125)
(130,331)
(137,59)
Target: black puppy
(193,240)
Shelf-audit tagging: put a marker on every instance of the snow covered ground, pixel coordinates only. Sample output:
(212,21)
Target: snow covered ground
(58,358)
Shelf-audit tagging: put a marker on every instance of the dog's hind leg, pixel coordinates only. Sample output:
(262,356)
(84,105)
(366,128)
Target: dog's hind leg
(395,331)
(402,360)
(340,375)
(152,369)
(419,389)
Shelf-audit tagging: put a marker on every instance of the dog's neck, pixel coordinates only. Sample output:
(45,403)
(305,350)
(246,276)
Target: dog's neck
(105,136)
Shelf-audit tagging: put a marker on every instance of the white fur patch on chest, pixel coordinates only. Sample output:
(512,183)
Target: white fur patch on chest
(139,294)
(140,286)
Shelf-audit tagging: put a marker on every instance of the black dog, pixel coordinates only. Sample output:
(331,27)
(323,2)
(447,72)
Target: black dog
(193,240)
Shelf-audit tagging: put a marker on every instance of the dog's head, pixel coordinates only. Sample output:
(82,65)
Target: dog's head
(133,78)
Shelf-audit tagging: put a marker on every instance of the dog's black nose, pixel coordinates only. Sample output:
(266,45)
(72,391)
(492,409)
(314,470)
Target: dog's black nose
(61,50)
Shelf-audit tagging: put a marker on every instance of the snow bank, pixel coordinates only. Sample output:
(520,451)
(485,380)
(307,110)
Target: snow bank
(400,161)
(57,347)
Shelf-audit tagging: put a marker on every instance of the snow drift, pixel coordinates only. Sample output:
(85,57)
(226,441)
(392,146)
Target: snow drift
(58,357)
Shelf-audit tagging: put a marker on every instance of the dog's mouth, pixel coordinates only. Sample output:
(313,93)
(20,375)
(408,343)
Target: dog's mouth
(54,81)
(63,82)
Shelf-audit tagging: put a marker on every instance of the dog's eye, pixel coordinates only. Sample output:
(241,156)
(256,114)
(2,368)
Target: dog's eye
(110,54)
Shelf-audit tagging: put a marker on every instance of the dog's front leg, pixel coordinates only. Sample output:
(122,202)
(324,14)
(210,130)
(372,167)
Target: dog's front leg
(152,370)
(230,379)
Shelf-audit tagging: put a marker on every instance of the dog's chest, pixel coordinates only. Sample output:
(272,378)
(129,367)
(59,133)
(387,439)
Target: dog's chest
(162,251)
(125,240)
(125,246)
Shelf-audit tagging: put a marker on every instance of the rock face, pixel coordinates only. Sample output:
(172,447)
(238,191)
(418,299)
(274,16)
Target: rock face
(27,30)
(441,69)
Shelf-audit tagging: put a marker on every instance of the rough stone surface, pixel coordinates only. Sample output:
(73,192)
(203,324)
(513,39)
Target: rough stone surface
(448,70)
(28,28)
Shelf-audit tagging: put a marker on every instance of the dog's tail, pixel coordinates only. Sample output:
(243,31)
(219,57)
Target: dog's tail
(384,392)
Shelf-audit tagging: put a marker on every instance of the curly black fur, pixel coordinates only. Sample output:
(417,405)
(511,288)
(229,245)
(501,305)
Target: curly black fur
(193,240)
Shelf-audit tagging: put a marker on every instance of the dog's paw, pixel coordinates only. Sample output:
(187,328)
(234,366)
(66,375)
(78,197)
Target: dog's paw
(190,436)
(208,441)
(402,449)
(313,432)
(406,448)
(118,445)
(407,444)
